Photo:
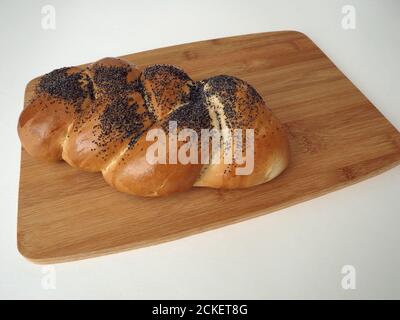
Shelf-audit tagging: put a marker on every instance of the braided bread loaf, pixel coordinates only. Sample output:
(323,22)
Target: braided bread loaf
(98,119)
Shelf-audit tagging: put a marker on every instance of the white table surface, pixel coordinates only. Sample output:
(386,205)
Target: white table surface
(297,252)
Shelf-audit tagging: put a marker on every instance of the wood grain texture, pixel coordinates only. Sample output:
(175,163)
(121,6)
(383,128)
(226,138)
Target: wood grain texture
(337,138)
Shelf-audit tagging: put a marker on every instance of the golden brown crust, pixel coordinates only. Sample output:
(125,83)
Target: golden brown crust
(133,173)
(97,119)
(166,88)
(238,106)
(117,113)
(271,158)
(43,124)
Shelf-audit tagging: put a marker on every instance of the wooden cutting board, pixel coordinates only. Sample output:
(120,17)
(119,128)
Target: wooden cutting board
(337,138)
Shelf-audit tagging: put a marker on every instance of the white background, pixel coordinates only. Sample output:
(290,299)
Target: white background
(293,253)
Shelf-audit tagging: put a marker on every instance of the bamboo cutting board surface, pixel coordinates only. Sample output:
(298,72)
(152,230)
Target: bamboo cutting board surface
(337,137)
